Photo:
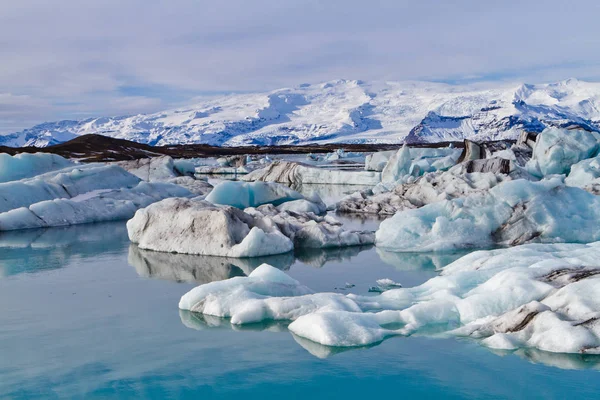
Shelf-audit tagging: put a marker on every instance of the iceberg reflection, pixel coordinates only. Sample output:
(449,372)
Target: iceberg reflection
(198,269)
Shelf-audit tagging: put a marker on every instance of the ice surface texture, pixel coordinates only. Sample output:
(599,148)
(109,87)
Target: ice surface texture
(200,227)
(77,195)
(26,165)
(544,298)
(512,213)
(295,175)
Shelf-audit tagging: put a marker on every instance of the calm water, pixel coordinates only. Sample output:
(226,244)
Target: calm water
(86,315)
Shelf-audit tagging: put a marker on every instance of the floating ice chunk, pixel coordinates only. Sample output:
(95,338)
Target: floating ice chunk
(26,165)
(512,213)
(158,168)
(544,298)
(200,227)
(63,184)
(251,194)
(415,193)
(96,206)
(295,175)
(266,294)
(397,166)
(383,285)
(556,150)
(165,169)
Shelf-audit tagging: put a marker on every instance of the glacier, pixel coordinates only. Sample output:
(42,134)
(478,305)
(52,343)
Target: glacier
(346,111)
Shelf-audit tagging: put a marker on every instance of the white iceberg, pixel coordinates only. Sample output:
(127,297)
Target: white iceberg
(200,227)
(532,296)
(428,159)
(398,165)
(166,169)
(77,195)
(24,165)
(556,150)
(295,175)
(63,184)
(512,213)
(430,188)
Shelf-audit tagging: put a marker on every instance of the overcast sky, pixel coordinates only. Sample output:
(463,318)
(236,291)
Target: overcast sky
(77,58)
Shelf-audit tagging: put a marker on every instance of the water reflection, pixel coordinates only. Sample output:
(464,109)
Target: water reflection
(199,269)
(202,322)
(319,257)
(36,250)
(557,360)
(419,261)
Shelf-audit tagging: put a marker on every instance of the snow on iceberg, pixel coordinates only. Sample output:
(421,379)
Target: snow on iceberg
(556,150)
(26,165)
(545,298)
(512,213)
(200,227)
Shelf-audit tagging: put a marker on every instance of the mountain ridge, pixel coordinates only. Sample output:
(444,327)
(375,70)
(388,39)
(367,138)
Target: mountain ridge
(345,111)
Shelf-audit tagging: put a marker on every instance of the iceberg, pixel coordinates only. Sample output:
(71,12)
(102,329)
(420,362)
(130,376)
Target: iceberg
(556,150)
(295,175)
(398,165)
(253,194)
(429,159)
(545,298)
(512,213)
(63,184)
(166,169)
(200,227)
(24,165)
(586,175)
(78,195)
(158,168)
(430,188)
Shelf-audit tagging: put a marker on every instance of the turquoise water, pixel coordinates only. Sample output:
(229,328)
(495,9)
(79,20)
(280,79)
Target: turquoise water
(86,315)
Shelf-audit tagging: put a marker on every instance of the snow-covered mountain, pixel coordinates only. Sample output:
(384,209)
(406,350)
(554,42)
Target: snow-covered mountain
(346,111)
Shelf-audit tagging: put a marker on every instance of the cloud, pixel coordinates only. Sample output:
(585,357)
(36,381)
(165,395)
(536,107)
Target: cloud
(72,58)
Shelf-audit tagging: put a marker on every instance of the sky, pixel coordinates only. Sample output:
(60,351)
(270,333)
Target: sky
(72,59)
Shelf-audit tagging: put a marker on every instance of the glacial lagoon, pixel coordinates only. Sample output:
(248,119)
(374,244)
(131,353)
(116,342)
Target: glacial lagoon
(88,315)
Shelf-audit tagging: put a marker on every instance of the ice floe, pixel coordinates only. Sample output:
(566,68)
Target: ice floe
(555,150)
(253,194)
(200,227)
(77,195)
(166,169)
(415,193)
(26,165)
(296,174)
(532,296)
(512,213)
